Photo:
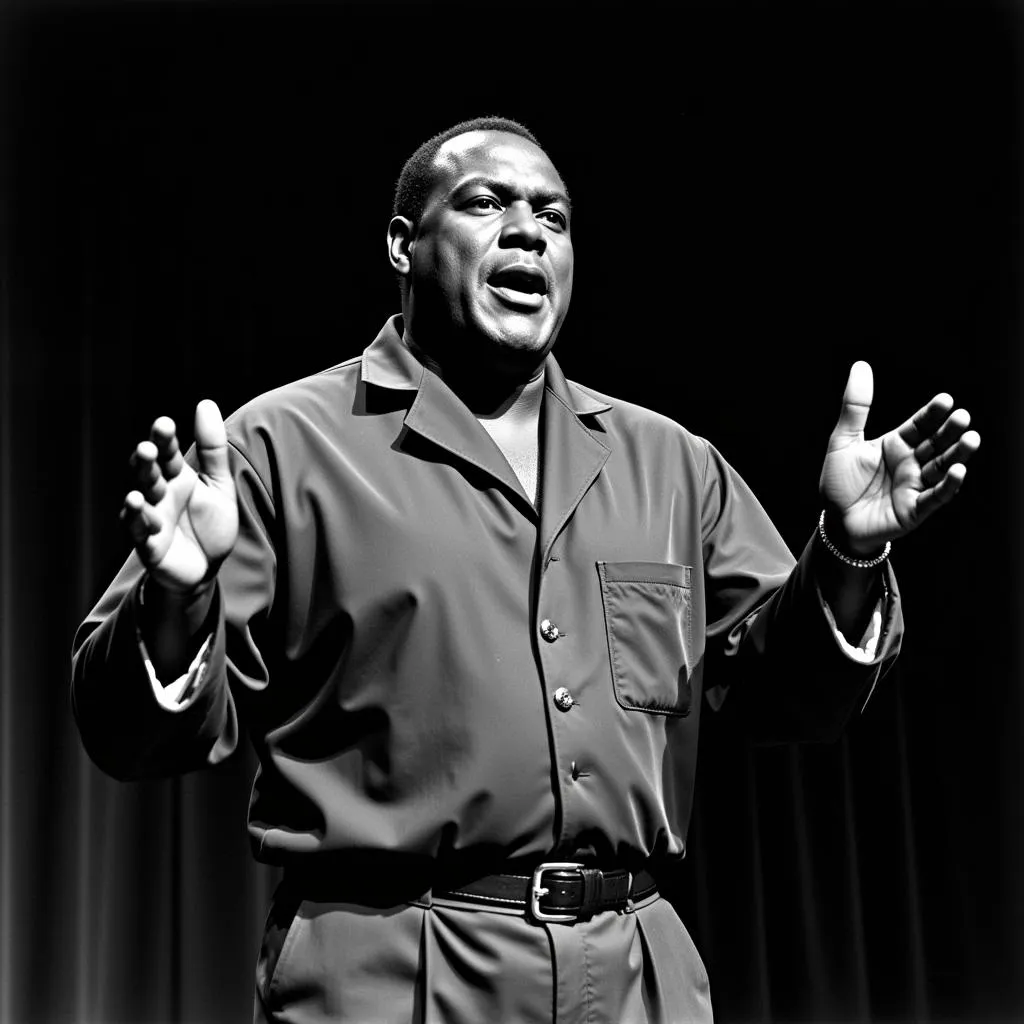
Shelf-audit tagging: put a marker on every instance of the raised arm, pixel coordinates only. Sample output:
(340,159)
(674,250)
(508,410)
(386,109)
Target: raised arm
(152,662)
(183,524)
(875,491)
(786,674)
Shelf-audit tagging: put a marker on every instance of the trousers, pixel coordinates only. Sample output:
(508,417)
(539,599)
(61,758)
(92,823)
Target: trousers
(435,962)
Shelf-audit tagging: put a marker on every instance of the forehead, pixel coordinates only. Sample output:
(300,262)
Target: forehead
(501,155)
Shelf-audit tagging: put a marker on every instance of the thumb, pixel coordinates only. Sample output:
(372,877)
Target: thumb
(212,442)
(860,389)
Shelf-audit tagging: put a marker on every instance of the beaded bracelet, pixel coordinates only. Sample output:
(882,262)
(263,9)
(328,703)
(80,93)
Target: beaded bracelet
(857,563)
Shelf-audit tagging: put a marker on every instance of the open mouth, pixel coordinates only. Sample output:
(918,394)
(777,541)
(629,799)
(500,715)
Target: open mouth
(520,287)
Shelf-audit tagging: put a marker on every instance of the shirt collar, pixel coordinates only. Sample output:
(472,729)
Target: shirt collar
(388,363)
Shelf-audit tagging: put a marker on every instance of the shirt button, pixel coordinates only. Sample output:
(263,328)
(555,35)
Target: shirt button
(549,631)
(563,699)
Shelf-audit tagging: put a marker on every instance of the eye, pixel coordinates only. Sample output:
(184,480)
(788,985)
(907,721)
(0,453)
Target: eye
(554,218)
(483,203)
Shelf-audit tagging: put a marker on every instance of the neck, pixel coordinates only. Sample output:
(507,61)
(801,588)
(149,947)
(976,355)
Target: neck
(521,406)
(487,390)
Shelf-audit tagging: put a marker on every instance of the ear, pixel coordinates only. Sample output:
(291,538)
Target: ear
(400,244)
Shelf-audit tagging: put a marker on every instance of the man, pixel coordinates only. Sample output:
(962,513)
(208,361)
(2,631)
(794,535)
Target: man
(465,608)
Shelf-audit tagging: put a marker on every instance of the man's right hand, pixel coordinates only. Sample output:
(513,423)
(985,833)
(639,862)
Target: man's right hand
(183,523)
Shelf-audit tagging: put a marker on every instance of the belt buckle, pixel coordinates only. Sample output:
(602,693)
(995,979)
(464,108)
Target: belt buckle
(537,889)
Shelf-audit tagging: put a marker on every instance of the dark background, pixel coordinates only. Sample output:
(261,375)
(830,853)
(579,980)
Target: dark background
(195,199)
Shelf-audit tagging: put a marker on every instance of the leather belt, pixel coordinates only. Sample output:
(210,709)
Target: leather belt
(558,891)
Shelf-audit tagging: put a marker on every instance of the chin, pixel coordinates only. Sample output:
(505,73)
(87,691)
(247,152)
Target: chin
(515,352)
(522,341)
(520,334)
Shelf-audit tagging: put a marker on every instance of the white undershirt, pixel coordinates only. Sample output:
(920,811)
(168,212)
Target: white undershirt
(521,448)
(515,429)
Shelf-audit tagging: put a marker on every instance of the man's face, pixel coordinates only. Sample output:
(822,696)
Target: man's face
(491,258)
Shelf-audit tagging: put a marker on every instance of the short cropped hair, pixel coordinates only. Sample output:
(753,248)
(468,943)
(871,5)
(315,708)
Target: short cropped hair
(417,177)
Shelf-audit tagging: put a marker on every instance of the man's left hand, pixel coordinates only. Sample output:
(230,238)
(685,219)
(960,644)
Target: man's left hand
(880,489)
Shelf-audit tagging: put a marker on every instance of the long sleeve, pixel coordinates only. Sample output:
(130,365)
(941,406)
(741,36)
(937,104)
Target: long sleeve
(772,644)
(125,728)
(398,628)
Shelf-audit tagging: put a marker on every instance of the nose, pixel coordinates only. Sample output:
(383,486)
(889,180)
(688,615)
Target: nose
(520,229)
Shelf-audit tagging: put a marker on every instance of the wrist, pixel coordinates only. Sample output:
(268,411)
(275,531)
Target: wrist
(160,602)
(846,549)
(173,625)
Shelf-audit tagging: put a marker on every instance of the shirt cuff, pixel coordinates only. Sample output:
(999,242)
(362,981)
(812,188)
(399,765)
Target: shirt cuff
(864,652)
(178,695)
(866,649)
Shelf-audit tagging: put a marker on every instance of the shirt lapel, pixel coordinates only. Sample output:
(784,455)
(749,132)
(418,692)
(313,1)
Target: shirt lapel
(573,455)
(437,415)
(442,418)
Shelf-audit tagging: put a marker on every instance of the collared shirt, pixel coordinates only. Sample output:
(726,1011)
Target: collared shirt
(428,664)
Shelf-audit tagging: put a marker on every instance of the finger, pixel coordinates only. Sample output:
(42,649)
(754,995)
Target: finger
(926,420)
(860,388)
(932,472)
(947,435)
(212,442)
(148,477)
(168,452)
(139,518)
(942,493)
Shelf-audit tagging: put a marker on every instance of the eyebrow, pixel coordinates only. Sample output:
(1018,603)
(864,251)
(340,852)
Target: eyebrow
(506,191)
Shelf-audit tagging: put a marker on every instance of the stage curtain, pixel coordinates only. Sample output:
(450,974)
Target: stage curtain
(194,205)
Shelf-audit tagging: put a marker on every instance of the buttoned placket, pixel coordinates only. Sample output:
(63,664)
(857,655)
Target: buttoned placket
(572,460)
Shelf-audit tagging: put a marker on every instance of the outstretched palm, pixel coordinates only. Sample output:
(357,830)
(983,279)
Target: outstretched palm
(183,523)
(885,487)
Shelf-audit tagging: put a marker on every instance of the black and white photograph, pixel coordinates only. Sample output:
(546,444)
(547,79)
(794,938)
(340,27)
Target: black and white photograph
(511,514)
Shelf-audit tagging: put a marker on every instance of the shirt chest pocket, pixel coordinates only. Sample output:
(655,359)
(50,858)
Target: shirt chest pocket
(648,617)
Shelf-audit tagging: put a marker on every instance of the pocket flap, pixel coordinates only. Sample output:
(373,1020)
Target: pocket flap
(648,613)
(646,572)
